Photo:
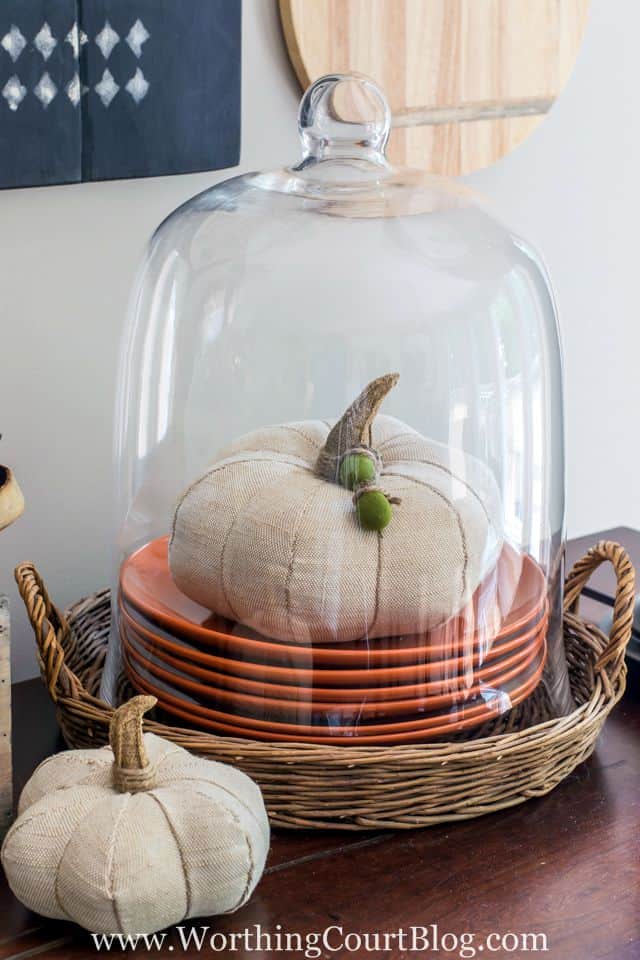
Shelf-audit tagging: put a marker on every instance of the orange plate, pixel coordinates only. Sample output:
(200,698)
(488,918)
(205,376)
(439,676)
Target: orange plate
(374,676)
(397,733)
(305,686)
(275,708)
(147,586)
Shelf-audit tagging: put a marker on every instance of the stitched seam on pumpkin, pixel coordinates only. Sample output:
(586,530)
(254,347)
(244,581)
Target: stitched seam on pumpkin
(67,759)
(250,857)
(456,513)
(447,470)
(223,585)
(292,555)
(376,608)
(60,860)
(111,865)
(377,591)
(174,834)
(222,466)
(400,436)
(276,482)
(301,433)
(82,782)
(170,753)
(25,821)
(218,786)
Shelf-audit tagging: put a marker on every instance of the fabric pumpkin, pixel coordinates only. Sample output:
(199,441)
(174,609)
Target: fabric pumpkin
(133,838)
(269,536)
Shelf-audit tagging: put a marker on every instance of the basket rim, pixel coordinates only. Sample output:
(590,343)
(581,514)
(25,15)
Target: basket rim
(513,742)
(52,630)
(351,787)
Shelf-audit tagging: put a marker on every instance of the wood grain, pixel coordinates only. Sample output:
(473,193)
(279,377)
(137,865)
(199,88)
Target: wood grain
(467,80)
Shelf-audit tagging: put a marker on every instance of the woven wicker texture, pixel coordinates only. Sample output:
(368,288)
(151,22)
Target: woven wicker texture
(522,754)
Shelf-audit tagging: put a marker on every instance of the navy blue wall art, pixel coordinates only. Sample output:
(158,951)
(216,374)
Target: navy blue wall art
(104,89)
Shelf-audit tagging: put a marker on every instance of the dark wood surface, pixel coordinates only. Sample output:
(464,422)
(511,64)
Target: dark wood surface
(567,865)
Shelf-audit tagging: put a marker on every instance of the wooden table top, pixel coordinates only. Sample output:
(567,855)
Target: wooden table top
(566,865)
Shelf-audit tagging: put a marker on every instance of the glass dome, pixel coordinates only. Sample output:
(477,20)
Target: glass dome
(340,453)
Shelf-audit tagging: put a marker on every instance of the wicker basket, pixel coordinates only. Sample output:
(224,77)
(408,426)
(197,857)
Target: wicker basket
(521,754)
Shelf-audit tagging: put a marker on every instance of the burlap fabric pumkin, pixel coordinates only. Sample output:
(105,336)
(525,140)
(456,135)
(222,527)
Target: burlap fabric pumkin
(137,836)
(270,537)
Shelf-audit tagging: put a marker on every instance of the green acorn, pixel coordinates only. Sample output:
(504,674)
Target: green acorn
(356,468)
(374,510)
(349,459)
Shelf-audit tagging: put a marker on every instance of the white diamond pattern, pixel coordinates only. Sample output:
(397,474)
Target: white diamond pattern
(138,86)
(137,36)
(14,92)
(107,39)
(45,42)
(14,43)
(76,39)
(73,90)
(46,90)
(107,88)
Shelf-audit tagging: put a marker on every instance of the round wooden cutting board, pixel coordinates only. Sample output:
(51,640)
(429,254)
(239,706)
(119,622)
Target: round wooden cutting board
(467,80)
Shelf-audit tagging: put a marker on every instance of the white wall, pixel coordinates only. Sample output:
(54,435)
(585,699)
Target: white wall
(68,254)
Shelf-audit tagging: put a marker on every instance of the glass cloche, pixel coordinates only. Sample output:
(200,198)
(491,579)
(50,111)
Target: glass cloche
(340,454)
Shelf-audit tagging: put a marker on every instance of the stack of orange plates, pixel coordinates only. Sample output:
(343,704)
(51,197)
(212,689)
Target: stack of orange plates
(222,677)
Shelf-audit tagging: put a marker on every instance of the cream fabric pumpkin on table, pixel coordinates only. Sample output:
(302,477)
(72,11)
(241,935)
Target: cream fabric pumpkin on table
(269,536)
(136,837)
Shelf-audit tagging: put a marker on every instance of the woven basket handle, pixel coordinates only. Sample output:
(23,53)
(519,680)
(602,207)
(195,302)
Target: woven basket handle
(625,594)
(51,631)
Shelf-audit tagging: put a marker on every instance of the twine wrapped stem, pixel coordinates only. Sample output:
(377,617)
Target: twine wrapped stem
(349,459)
(132,770)
(353,429)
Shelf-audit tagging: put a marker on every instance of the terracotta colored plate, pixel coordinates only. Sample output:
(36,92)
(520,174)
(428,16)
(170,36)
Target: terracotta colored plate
(303,710)
(458,720)
(489,695)
(307,685)
(310,673)
(148,589)
(368,676)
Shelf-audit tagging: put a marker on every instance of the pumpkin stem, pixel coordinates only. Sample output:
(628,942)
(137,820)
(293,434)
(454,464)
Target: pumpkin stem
(353,429)
(132,770)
